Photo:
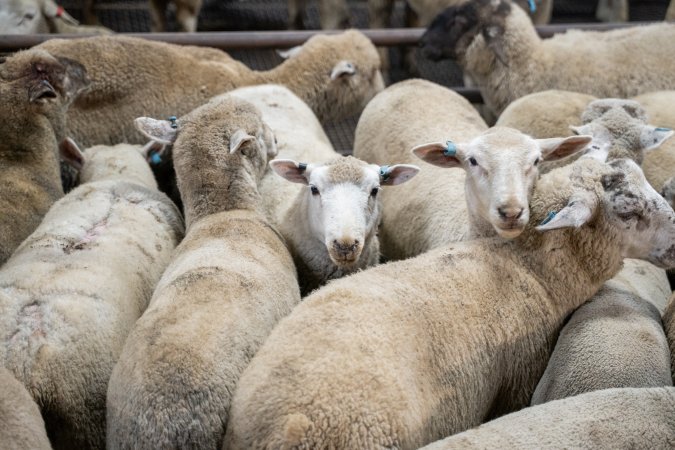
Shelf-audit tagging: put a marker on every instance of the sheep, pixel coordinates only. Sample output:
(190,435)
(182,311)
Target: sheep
(612,11)
(624,122)
(670,13)
(330,210)
(497,45)
(668,191)
(336,75)
(412,112)
(41,16)
(669,327)
(187,13)
(36,90)
(407,352)
(21,425)
(612,418)
(70,294)
(230,281)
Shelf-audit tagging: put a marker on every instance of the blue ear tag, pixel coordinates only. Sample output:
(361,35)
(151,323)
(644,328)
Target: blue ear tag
(450,149)
(173,119)
(155,158)
(549,217)
(662,129)
(384,172)
(533,6)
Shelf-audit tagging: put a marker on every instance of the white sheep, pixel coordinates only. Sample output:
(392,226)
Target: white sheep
(21,425)
(36,90)
(230,281)
(336,75)
(496,44)
(499,168)
(72,291)
(41,16)
(611,418)
(330,211)
(406,353)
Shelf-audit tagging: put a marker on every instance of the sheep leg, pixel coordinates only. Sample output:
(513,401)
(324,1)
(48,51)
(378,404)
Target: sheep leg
(412,20)
(187,13)
(296,9)
(158,15)
(333,14)
(379,16)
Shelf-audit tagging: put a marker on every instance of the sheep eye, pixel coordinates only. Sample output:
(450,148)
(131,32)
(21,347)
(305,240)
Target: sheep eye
(314,189)
(473,161)
(536,161)
(374,192)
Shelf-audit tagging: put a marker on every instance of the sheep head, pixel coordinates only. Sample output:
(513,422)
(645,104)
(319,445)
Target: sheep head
(343,208)
(501,168)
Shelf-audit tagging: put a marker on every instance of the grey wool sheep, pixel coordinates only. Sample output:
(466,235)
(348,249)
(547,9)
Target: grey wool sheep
(72,291)
(442,204)
(669,326)
(21,425)
(41,16)
(36,90)
(405,353)
(325,205)
(230,281)
(335,75)
(496,44)
(612,418)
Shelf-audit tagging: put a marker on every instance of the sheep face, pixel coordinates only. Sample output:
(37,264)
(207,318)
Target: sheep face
(22,17)
(641,220)
(453,30)
(36,89)
(501,167)
(343,209)
(622,126)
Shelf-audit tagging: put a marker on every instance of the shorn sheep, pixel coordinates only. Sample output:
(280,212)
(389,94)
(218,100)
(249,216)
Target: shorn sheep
(230,281)
(36,90)
(406,353)
(21,425)
(496,44)
(336,75)
(488,197)
(611,418)
(72,291)
(326,206)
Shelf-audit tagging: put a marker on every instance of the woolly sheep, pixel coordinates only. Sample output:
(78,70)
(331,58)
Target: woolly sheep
(36,90)
(230,281)
(430,210)
(669,326)
(41,16)
(72,291)
(612,418)
(330,210)
(21,425)
(408,352)
(336,75)
(624,122)
(497,45)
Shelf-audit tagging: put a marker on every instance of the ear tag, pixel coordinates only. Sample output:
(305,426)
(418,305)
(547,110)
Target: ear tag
(450,149)
(662,129)
(173,119)
(155,158)
(302,167)
(549,217)
(384,172)
(533,6)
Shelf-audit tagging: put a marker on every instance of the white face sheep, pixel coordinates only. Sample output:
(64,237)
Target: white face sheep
(83,278)
(416,350)
(231,280)
(496,44)
(36,90)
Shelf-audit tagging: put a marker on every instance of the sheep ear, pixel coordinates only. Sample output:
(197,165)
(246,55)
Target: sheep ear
(292,171)
(574,215)
(439,154)
(71,153)
(494,38)
(153,152)
(163,131)
(54,12)
(397,174)
(61,75)
(652,137)
(342,68)
(557,148)
(238,139)
(290,53)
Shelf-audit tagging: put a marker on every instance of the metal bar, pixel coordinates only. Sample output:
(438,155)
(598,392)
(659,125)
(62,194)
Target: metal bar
(282,39)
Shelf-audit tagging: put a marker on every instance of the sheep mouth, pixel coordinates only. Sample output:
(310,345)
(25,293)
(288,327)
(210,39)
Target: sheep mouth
(509,230)
(345,260)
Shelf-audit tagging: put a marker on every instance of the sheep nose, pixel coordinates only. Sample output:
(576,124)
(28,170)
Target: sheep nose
(345,248)
(510,213)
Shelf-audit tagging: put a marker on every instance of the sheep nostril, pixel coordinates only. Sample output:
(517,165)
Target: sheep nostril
(510,213)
